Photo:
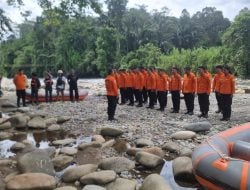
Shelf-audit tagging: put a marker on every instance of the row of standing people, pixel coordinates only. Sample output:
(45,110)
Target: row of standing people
(21,83)
(143,84)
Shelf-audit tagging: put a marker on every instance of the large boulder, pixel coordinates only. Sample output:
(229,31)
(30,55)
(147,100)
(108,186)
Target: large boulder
(148,160)
(183,171)
(122,184)
(5,135)
(37,123)
(118,164)
(19,121)
(63,142)
(5,125)
(61,162)
(198,127)
(74,174)
(17,147)
(155,182)
(93,187)
(143,142)
(111,132)
(99,178)
(37,161)
(31,181)
(183,135)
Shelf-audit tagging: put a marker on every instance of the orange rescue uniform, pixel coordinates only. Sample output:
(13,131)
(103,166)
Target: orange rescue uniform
(189,83)
(175,83)
(151,81)
(20,81)
(227,84)
(216,81)
(203,84)
(162,83)
(111,86)
(139,81)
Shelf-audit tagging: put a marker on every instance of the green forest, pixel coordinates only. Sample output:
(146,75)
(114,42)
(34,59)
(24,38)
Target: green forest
(92,37)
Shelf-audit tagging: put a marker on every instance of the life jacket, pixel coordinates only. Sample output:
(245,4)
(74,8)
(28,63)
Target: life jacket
(35,83)
(48,81)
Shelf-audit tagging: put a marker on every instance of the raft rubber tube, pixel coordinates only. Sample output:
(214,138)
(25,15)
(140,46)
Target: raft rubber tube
(222,162)
(41,95)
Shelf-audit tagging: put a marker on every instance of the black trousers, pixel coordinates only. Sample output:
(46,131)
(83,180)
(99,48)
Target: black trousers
(48,93)
(112,103)
(130,94)
(21,94)
(73,90)
(189,101)
(145,95)
(176,100)
(203,100)
(123,95)
(135,94)
(162,99)
(34,94)
(218,98)
(139,96)
(152,98)
(226,105)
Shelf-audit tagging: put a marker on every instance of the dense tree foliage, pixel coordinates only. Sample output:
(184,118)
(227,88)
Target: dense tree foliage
(67,36)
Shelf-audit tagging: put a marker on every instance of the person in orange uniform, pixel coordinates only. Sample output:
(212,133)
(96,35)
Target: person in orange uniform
(219,74)
(144,90)
(112,94)
(188,89)
(122,86)
(151,86)
(207,72)
(130,86)
(162,87)
(226,90)
(20,81)
(203,91)
(175,88)
(139,86)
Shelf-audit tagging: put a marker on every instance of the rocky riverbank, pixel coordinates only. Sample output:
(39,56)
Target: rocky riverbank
(73,146)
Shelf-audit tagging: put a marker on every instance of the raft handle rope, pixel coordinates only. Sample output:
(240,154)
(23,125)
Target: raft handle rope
(222,155)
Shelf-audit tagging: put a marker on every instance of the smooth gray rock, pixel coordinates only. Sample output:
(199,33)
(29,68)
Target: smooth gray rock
(198,127)
(122,184)
(143,142)
(112,132)
(19,121)
(171,147)
(37,123)
(5,125)
(61,162)
(183,135)
(5,135)
(99,178)
(148,160)
(155,182)
(93,187)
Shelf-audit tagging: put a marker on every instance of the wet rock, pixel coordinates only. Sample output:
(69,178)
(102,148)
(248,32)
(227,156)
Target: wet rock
(183,135)
(198,127)
(60,162)
(66,188)
(17,147)
(183,171)
(37,123)
(117,164)
(37,161)
(98,138)
(50,121)
(62,119)
(74,174)
(5,125)
(122,184)
(5,135)
(155,182)
(148,160)
(71,151)
(63,142)
(54,127)
(111,132)
(8,105)
(171,147)
(186,152)
(83,146)
(99,178)
(93,187)
(31,181)
(143,142)
(51,151)
(19,121)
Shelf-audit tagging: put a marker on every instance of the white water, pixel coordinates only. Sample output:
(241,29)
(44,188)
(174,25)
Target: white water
(5,146)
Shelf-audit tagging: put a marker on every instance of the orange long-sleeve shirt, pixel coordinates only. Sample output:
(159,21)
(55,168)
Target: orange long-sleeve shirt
(162,83)
(111,86)
(189,83)
(175,83)
(151,81)
(129,81)
(203,84)
(117,78)
(122,80)
(139,81)
(145,76)
(208,74)
(20,81)
(227,84)
(216,80)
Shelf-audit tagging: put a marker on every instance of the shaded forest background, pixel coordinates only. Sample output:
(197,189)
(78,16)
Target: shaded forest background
(67,37)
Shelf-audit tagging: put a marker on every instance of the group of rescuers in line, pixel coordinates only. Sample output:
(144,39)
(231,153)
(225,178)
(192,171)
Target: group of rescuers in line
(20,81)
(142,84)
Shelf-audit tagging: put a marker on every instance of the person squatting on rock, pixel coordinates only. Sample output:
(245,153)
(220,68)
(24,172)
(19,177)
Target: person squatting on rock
(112,94)
(21,83)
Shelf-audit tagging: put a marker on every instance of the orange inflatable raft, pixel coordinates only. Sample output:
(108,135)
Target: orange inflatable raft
(222,162)
(41,95)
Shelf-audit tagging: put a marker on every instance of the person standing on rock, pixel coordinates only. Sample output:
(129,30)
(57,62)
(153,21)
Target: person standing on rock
(73,87)
(60,84)
(35,86)
(130,85)
(151,86)
(175,88)
(219,74)
(203,91)
(139,86)
(122,86)
(48,86)
(20,81)
(112,94)
(162,89)
(226,90)
(188,89)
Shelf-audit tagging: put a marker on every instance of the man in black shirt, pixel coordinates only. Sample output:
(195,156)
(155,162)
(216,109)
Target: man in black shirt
(72,81)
